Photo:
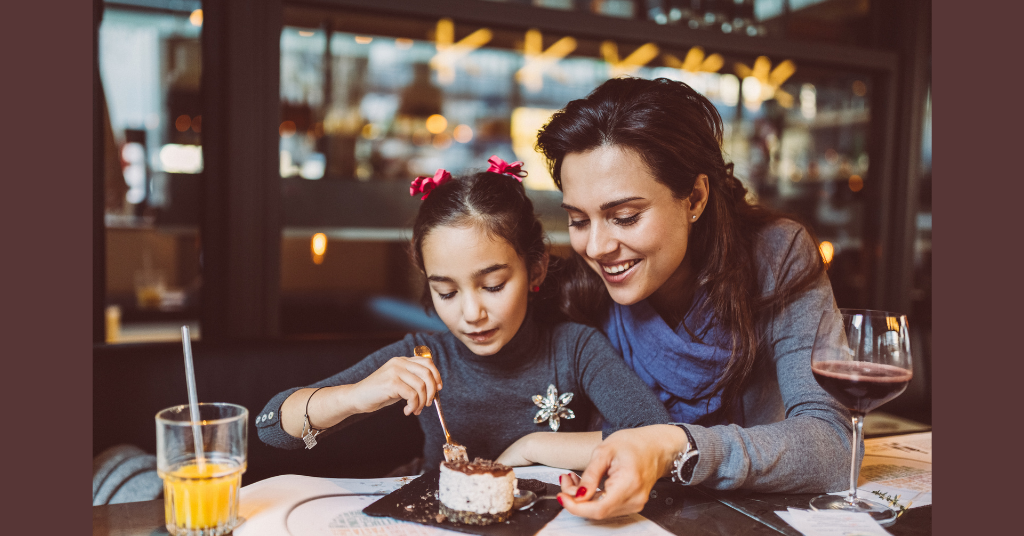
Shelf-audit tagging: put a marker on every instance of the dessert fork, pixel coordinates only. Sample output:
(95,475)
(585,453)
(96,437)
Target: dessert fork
(452,450)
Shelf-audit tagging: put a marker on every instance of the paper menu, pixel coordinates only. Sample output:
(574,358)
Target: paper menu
(899,465)
(832,523)
(916,447)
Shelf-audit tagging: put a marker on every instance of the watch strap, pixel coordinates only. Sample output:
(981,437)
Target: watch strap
(685,461)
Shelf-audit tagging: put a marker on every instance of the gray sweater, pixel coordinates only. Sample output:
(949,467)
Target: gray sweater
(789,435)
(487,400)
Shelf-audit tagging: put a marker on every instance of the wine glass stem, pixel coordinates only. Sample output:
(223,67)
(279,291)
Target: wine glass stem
(858,439)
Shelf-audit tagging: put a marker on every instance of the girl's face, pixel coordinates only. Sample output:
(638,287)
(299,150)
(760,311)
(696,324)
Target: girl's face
(479,285)
(629,227)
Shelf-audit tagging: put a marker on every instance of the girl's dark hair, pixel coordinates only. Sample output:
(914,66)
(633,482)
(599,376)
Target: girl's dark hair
(677,133)
(500,203)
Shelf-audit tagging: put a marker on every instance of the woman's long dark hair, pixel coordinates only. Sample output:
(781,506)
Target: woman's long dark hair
(500,203)
(677,133)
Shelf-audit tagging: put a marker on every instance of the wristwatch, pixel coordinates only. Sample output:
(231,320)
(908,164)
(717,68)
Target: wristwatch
(683,465)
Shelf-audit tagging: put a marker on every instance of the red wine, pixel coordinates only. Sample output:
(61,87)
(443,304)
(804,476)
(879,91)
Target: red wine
(860,386)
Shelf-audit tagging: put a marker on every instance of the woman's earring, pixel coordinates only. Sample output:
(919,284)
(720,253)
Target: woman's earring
(535,288)
(694,216)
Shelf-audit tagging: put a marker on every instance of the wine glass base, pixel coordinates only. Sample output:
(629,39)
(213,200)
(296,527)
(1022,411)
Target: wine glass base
(879,512)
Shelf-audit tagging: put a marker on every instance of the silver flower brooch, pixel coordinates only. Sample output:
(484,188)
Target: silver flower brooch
(553,408)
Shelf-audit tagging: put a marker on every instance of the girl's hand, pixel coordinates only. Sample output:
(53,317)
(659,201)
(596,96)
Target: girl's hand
(632,460)
(413,379)
(517,454)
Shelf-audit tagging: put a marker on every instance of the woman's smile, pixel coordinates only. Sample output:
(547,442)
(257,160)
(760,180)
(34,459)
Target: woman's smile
(619,271)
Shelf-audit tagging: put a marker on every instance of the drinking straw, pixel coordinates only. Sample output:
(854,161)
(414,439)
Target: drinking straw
(193,400)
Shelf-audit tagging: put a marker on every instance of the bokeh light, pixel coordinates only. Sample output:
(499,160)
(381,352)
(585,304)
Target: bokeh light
(827,250)
(463,134)
(436,124)
(287,129)
(856,183)
(182,123)
(196,17)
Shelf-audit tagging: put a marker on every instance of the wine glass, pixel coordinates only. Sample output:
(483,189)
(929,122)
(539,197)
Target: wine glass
(862,358)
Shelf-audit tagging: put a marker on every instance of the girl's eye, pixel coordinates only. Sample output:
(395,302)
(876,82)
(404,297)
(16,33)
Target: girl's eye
(495,289)
(446,296)
(578,223)
(627,221)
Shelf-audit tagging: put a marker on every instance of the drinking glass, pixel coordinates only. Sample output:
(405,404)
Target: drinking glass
(862,358)
(201,493)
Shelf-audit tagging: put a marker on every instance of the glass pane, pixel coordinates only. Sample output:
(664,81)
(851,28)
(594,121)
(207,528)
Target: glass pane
(150,68)
(368,103)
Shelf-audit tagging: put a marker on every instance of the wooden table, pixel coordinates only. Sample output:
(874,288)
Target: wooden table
(680,510)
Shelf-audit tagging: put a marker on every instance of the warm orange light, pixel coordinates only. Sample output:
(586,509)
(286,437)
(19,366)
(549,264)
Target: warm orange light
(436,124)
(463,134)
(197,124)
(402,42)
(287,129)
(363,40)
(318,245)
(182,123)
(856,183)
(442,141)
(196,17)
(827,250)
(860,88)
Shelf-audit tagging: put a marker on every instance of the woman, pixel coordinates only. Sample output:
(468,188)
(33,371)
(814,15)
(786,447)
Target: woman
(713,301)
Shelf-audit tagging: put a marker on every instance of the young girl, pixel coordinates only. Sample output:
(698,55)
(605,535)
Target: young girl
(482,251)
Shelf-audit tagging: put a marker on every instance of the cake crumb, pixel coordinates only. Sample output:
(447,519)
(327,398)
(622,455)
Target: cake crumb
(440,518)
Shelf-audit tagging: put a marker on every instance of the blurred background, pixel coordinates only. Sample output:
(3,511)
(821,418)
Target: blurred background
(253,159)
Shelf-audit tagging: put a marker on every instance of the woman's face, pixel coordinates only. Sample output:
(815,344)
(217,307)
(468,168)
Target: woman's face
(629,227)
(478,284)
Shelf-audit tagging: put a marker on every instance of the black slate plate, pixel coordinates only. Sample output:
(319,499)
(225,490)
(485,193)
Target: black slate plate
(416,502)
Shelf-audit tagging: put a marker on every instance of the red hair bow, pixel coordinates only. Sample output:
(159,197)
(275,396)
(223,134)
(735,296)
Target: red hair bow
(515,169)
(425,185)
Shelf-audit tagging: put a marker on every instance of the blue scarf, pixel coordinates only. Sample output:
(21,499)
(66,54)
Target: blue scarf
(680,370)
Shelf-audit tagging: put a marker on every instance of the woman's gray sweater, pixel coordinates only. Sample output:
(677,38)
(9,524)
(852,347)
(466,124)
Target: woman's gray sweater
(488,399)
(788,435)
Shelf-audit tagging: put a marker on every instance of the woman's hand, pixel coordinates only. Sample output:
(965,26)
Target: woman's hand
(632,460)
(413,379)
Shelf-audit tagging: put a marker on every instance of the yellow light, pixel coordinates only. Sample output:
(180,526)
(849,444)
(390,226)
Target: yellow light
(827,249)
(630,64)
(536,60)
(318,245)
(449,52)
(856,183)
(463,134)
(363,40)
(305,33)
(436,124)
(287,129)
(403,43)
(196,17)
(370,131)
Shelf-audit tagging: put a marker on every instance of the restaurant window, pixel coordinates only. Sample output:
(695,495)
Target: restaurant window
(150,68)
(370,102)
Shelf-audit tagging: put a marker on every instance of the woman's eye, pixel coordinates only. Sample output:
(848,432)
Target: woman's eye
(578,223)
(495,289)
(627,221)
(446,296)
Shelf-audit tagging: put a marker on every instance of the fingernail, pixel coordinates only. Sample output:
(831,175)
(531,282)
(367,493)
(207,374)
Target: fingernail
(560,477)
(581,492)
(560,501)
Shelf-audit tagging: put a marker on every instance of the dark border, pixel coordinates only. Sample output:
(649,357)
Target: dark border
(977,361)
(46,269)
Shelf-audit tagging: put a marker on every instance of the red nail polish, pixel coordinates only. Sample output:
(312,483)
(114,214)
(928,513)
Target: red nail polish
(560,479)
(581,492)
(560,501)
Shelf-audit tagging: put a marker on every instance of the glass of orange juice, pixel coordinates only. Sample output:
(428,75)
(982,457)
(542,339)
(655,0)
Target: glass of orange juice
(201,492)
